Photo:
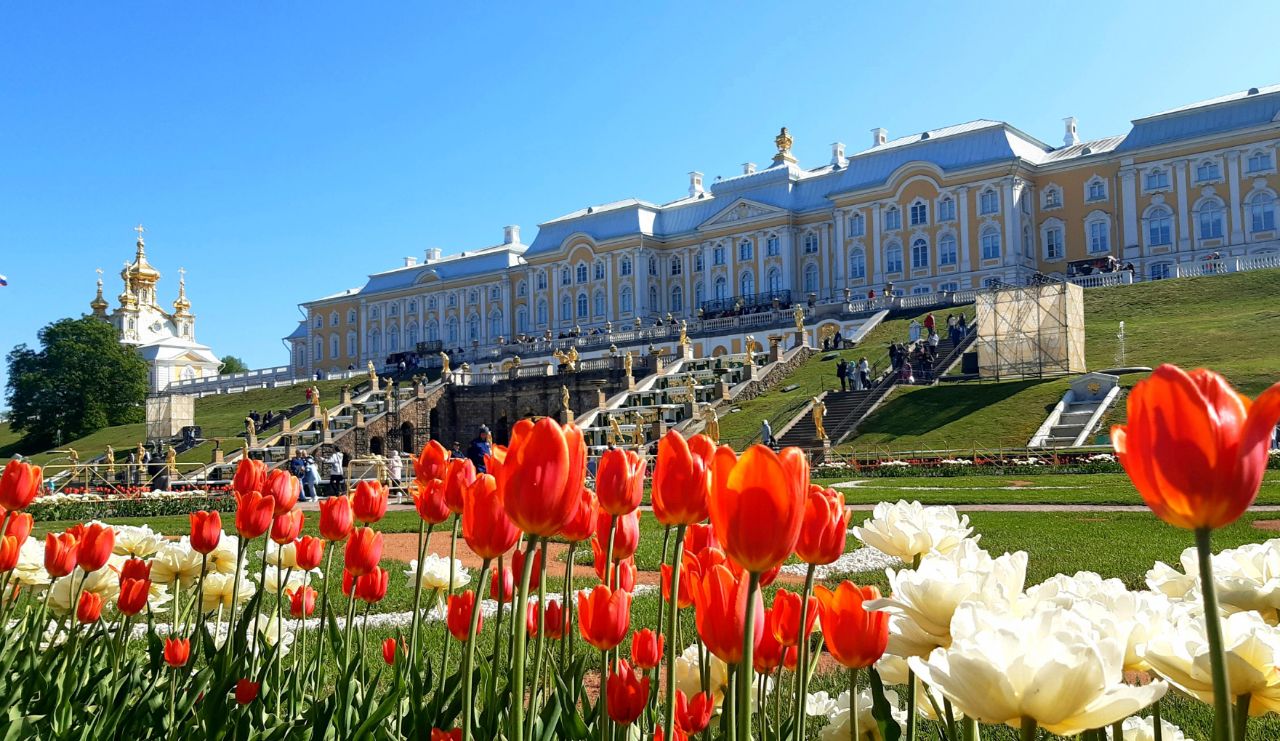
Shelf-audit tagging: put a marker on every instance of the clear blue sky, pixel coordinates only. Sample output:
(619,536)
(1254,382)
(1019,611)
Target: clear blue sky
(283,151)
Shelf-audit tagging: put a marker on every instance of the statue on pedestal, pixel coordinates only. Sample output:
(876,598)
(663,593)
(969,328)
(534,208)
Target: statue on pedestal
(110,460)
(691,389)
(615,432)
(628,362)
(373,376)
(171,464)
(819,414)
(712,427)
(798,314)
(250,432)
(684,333)
(564,399)
(637,434)
(750,348)
(324,420)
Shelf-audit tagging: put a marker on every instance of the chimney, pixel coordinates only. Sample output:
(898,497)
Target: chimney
(1069,135)
(433,254)
(511,234)
(837,154)
(695,183)
(879,136)
(410,262)
(748,168)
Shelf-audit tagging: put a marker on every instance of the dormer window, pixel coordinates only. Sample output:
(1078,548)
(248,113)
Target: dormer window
(919,213)
(1207,171)
(1157,179)
(892,218)
(989,202)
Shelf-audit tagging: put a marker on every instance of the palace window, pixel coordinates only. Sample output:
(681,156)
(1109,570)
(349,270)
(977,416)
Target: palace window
(413,306)
(1262,212)
(566,276)
(893,258)
(677,266)
(697,262)
(1258,162)
(599,302)
(720,288)
(495,293)
(624,300)
(811,278)
(947,250)
(393,340)
(919,254)
(1206,171)
(989,202)
(1053,246)
(919,290)
(811,244)
(1099,236)
(624,266)
(746,284)
(947,209)
(1157,179)
(566,309)
(892,218)
(990,241)
(717,255)
(375,342)
(453,300)
(351,316)
(333,319)
(542,278)
(473,328)
(473,297)
(451,330)
(857,264)
(333,346)
(522,289)
(775,280)
(772,246)
(653,298)
(745,251)
(598,270)
(413,335)
(1096,190)
(1160,271)
(1160,226)
(698,298)
(433,303)
(542,312)
(949,287)
(433,331)
(919,213)
(495,324)
(393,309)
(582,272)
(522,320)
(677,299)
(653,265)
(1052,197)
(1210,219)
(857,225)
(351,344)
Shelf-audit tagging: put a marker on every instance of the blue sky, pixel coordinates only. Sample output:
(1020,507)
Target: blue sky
(283,151)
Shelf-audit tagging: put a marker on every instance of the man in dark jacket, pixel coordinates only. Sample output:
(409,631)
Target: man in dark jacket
(479,448)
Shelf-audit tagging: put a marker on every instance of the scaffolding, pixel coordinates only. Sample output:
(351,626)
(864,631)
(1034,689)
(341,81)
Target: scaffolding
(1030,331)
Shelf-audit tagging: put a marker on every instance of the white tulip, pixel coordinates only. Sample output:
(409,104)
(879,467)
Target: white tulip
(275,579)
(104,582)
(820,704)
(139,541)
(837,728)
(223,558)
(907,530)
(285,556)
(1247,578)
(219,588)
(29,572)
(435,572)
(176,561)
(1139,728)
(1052,665)
(689,674)
(1179,652)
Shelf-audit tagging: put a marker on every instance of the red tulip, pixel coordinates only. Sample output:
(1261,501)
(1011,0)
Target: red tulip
(369,503)
(302,602)
(720,602)
(790,657)
(177,651)
(555,620)
(758,504)
(254,512)
(10,549)
(372,587)
(95,546)
(89,609)
(246,691)
(459,474)
(626,534)
(20,484)
(541,478)
(364,551)
(686,579)
(604,616)
(624,572)
(430,464)
(206,531)
(458,618)
(285,488)
(855,636)
(531,620)
(824,527)
(535,571)
(287,527)
(768,652)
(135,568)
(429,501)
(502,585)
(646,649)
(59,554)
(348,582)
(494,460)
(20,524)
(133,595)
(582,524)
(336,518)
(488,530)
(308,552)
(700,536)
(1193,447)
(439,735)
(620,481)
(682,479)
(251,476)
(784,618)
(389,649)
(627,693)
(693,716)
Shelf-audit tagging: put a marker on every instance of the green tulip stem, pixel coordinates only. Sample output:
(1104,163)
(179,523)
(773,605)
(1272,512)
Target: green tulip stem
(802,674)
(748,650)
(969,729)
(521,640)
(542,635)
(424,536)
(1242,715)
(1028,730)
(453,553)
(673,618)
(262,584)
(855,733)
(1156,722)
(324,618)
(468,659)
(1222,730)
(566,606)
(241,552)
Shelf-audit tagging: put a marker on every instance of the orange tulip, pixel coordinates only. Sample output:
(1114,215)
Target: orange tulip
(308,551)
(1193,447)
(369,503)
(286,527)
(285,488)
(390,647)
(502,585)
(177,651)
(720,602)
(824,527)
(206,531)
(646,648)
(620,481)
(302,602)
(768,652)
(20,524)
(700,536)
(20,484)
(429,501)
(135,568)
(686,579)
(535,571)
(493,461)
(336,518)
(758,504)
(693,716)
(531,620)
(682,479)
(246,691)
(488,530)
(95,546)
(89,608)
(624,571)
(59,554)
(627,693)
(604,616)
(582,524)
(364,550)
(254,512)
(458,618)
(555,620)
(855,636)
(430,463)
(459,473)
(784,618)
(251,476)
(348,582)
(372,587)
(133,595)
(541,478)
(10,549)
(626,534)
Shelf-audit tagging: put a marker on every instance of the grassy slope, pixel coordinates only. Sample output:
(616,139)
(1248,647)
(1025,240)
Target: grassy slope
(1229,323)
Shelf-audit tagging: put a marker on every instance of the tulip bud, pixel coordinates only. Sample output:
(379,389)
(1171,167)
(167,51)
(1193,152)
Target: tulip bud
(369,503)
(89,608)
(286,527)
(206,531)
(364,551)
(336,518)
(458,618)
(177,651)
(646,649)
(246,691)
(308,552)
(284,488)
(20,484)
(95,546)
(372,587)
(59,554)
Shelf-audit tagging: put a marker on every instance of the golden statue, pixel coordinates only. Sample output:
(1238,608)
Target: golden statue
(712,427)
(110,460)
(324,419)
(784,141)
(171,463)
(568,360)
(564,398)
(515,361)
(798,314)
(819,413)
(691,389)
(684,333)
(315,396)
(444,364)
(749,348)
(615,432)
(373,378)
(628,362)
(637,433)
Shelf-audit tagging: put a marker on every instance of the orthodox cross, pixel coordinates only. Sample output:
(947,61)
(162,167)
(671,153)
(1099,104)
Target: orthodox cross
(139,229)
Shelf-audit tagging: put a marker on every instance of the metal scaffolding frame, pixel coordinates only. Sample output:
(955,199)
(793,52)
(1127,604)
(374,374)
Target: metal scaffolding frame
(1030,331)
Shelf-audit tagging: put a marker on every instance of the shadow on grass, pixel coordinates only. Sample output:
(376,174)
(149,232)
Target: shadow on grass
(928,409)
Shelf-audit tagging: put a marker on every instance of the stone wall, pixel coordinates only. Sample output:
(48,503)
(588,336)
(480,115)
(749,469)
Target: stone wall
(780,372)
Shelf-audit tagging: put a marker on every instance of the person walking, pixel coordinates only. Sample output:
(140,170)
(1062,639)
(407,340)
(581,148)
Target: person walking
(864,372)
(842,372)
(394,471)
(479,448)
(337,475)
(928,322)
(310,477)
(933,342)
(766,433)
(962,326)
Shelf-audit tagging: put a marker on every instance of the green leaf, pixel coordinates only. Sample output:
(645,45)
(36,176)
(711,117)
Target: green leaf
(881,710)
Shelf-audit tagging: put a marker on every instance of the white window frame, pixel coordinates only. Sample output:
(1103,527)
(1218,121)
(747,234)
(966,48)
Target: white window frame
(857,264)
(1052,198)
(989,236)
(1095,190)
(892,218)
(919,213)
(1097,230)
(1156,172)
(811,243)
(773,246)
(676,265)
(916,263)
(1216,206)
(948,249)
(947,209)
(624,266)
(893,257)
(1270,165)
(857,224)
(746,250)
(1158,213)
(1208,171)
(989,202)
(1254,210)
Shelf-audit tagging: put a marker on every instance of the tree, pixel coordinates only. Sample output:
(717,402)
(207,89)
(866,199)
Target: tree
(81,380)
(232,364)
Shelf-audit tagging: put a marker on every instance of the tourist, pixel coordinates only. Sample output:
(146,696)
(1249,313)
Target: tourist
(926,367)
(766,433)
(864,372)
(478,449)
(394,471)
(928,322)
(933,341)
(842,372)
(310,477)
(838,339)
(962,327)
(298,465)
(456,450)
(337,475)
(904,373)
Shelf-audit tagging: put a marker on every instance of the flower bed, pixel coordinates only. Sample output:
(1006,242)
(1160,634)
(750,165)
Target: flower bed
(84,507)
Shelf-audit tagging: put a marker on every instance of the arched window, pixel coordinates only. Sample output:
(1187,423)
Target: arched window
(473,328)
(947,250)
(1262,212)
(677,266)
(375,342)
(582,272)
(598,270)
(522,320)
(566,276)
(677,299)
(495,324)
(584,309)
(624,266)
(433,331)
(1157,179)
(857,264)
(892,218)
(351,316)
(1259,161)
(698,292)
(413,335)
(333,346)
(393,340)
(989,202)
(1096,190)
(746,284)
(300,356)
(857,225)
(542,312)
(947,209)
(1206,171)
(919,213)
(720,288)
(775,280)
(598,299)
(451,330)
(811,278)
(893,258)
(624,300)
(351,344)
(653,298)
(745,250)
(1209,218)
(566,308)
(522,289)
(990,240)
(919,254)
(811,244)
(542,281)
(1052,197)
(319,353)
(1159,226)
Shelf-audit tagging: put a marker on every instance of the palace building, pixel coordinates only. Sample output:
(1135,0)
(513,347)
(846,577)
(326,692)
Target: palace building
(949,209)
(165,340)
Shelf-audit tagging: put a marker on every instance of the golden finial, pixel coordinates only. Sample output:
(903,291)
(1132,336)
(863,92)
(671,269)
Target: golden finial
(783,141)
(99,304)
(140,229)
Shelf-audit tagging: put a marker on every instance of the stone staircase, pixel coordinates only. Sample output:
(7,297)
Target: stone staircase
(840,405)
(1072,423)
(1079,413)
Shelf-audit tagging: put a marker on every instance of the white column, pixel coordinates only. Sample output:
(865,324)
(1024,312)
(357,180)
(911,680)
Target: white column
(1010,240)
(840,251)
(877,255)
(758,249)
(1233,181)
(1129,202)
(1184,208)
(609,314)
(638,298)
(787,246)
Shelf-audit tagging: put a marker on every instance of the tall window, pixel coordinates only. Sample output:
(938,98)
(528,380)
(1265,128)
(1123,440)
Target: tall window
(893,258)
(451,330)
(746,284)
(582,272)
(919,254)
(1160,226)
(413,335)
(857,225)
(473,328)
(697,262)
(1099,236)
(433,303)
(319,353)
(566,308)
(351,344)
(1262,212)
(393,309)
(919,213)
(811,244)
(393,340)
(677,299)
(433,331)
(624,266)
(653,265)
(1097,190)
(542,311)
(542,276)
(1211,220)
(811,278)
(566,276)
(892,218)
(1207,170)
(717,255)
(720,288)
(453,300)
(495,324)
(1157,179)
(333,319)
(351,316)
(522,320)
(599,302)
(473,297)
(653,298)
(1258,162)
(413,306)
(677,266)
(698,296)
(624,300)
(772,246)
(947,209)
(775,280)
(745,251)
(989,202)
(583,309)
(522,289)
(375,342)
(947,250)
(333,346)
(1053,246)
(857,264)
(990,243)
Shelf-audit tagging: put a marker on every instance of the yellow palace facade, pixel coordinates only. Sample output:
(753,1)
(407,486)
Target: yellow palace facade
(949,209)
